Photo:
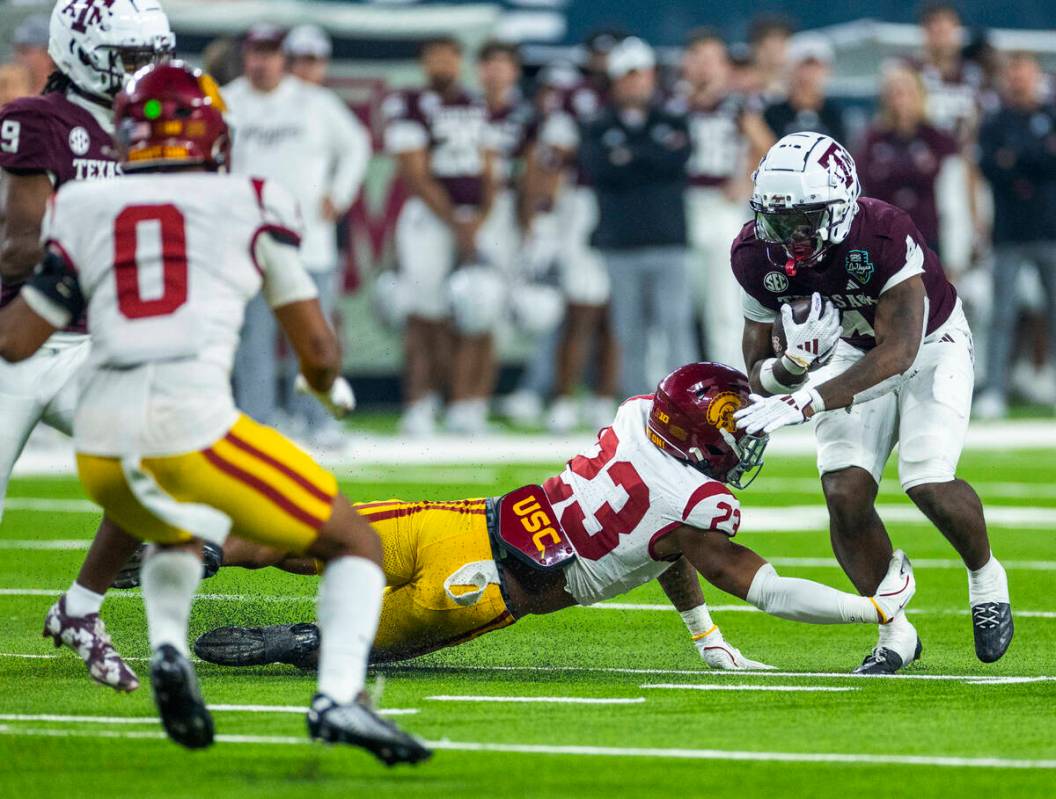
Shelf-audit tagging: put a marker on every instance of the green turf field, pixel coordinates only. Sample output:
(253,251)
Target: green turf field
(950,727)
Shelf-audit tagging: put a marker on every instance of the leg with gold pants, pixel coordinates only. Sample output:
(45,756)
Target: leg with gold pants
(253,483)
(425,544)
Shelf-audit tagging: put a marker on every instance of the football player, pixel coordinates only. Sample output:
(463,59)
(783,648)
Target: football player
(900,371)
(165,261)
(47,141)
(729,136)
(649,500)
(445,151)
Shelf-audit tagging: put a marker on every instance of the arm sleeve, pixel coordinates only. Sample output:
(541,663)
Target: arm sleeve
(806,601)
(351,148)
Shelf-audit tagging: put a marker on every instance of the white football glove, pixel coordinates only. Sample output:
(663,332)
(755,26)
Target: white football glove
(814,339)
(767,414)
(340,400)
(896,589)
(718,654)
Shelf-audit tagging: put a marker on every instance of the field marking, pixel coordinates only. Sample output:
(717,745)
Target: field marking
(891,488)
(777,688)
(78,719)
(385,711)
(51,505)
(56,543)
(542,700)
(596,751)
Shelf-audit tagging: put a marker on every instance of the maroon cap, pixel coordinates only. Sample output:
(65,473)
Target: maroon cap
(264,34)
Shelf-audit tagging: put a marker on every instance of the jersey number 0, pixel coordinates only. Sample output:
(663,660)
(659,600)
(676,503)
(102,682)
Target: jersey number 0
(127,266)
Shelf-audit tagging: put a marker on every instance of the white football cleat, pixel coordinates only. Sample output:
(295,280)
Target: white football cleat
(563,416)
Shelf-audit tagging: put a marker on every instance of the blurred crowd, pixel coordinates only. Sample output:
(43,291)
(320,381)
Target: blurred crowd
(591,206)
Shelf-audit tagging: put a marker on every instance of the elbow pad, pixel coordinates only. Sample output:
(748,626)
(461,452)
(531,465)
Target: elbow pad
(57,289)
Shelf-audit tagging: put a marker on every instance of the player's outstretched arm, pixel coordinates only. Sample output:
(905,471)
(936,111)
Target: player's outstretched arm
(682,586)
(741,572)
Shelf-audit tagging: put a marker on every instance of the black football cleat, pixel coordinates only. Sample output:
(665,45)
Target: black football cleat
(180,704)
(293,644)
(886,661)
(357,724)
(128,577)
(993,629)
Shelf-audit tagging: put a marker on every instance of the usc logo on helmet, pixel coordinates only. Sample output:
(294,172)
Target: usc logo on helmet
(721,410)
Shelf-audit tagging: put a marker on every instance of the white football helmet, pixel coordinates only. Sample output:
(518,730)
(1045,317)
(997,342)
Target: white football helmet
(477,293)
(805,196)
(390,300)
(537,308)
(98,44)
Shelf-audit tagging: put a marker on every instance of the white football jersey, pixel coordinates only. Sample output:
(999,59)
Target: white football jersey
(167,264)
(616,500)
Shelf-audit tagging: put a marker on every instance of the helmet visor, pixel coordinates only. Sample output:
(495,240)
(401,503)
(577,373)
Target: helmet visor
(790,226)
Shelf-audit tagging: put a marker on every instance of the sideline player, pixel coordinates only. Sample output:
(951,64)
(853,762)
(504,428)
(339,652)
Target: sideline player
(166,260)
(443,145)
(47,141)
(649,500)
(901,371)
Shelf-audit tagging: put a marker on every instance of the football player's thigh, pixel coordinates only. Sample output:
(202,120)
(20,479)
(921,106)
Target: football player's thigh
(422,616)
(425,248)
(935,406)
(273,492)
(105,482)
(60,390)
(20,410)
(862,437)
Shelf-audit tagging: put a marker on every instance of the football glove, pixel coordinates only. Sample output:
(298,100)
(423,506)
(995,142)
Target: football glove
(339,400)
(767,414)
(812,340)
(718,654)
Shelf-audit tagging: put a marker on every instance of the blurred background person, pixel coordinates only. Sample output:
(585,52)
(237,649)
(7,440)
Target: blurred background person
(308,49)
(444,149)
(807,106)
(729,137)
(30,43)
(637,152)
(768,38)
(951,83)
(586,347)
(14,82)
(913,165)
(1017,145)
(305,138)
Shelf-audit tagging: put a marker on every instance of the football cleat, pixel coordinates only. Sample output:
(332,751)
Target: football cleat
(293,644)
(87,636)
(887,661)
(896,589)
(128,577)
(993,628)
(179,701)
(357,724)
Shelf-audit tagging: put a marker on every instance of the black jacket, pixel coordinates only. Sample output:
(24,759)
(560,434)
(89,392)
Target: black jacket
(1017,153)
(639,175)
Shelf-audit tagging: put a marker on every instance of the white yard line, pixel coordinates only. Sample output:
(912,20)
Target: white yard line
(292,709)
(597,751)
(542,700)
(51,505)
(777,688)
(44,543)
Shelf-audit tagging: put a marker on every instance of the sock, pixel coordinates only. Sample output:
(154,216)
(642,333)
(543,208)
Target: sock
(348,610)
(899,636)
(169,580)
(989,583)
(81,602)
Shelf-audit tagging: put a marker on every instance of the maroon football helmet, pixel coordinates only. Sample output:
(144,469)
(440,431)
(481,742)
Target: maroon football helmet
(692,420)
(171,115)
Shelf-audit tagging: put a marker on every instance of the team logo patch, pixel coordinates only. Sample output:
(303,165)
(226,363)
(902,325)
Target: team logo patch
(721,410)
(79,141)
(859,266)
(775,282)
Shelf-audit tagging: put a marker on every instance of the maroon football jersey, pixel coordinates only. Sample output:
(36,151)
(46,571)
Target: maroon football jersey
(453,129)
(883,244)
(719,144)
(902,171)
(953,100)
(513,126)
(48,133)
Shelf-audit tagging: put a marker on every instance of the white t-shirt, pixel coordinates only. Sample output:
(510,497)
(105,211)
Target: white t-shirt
(304,137)
(167,264)
(617,499)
